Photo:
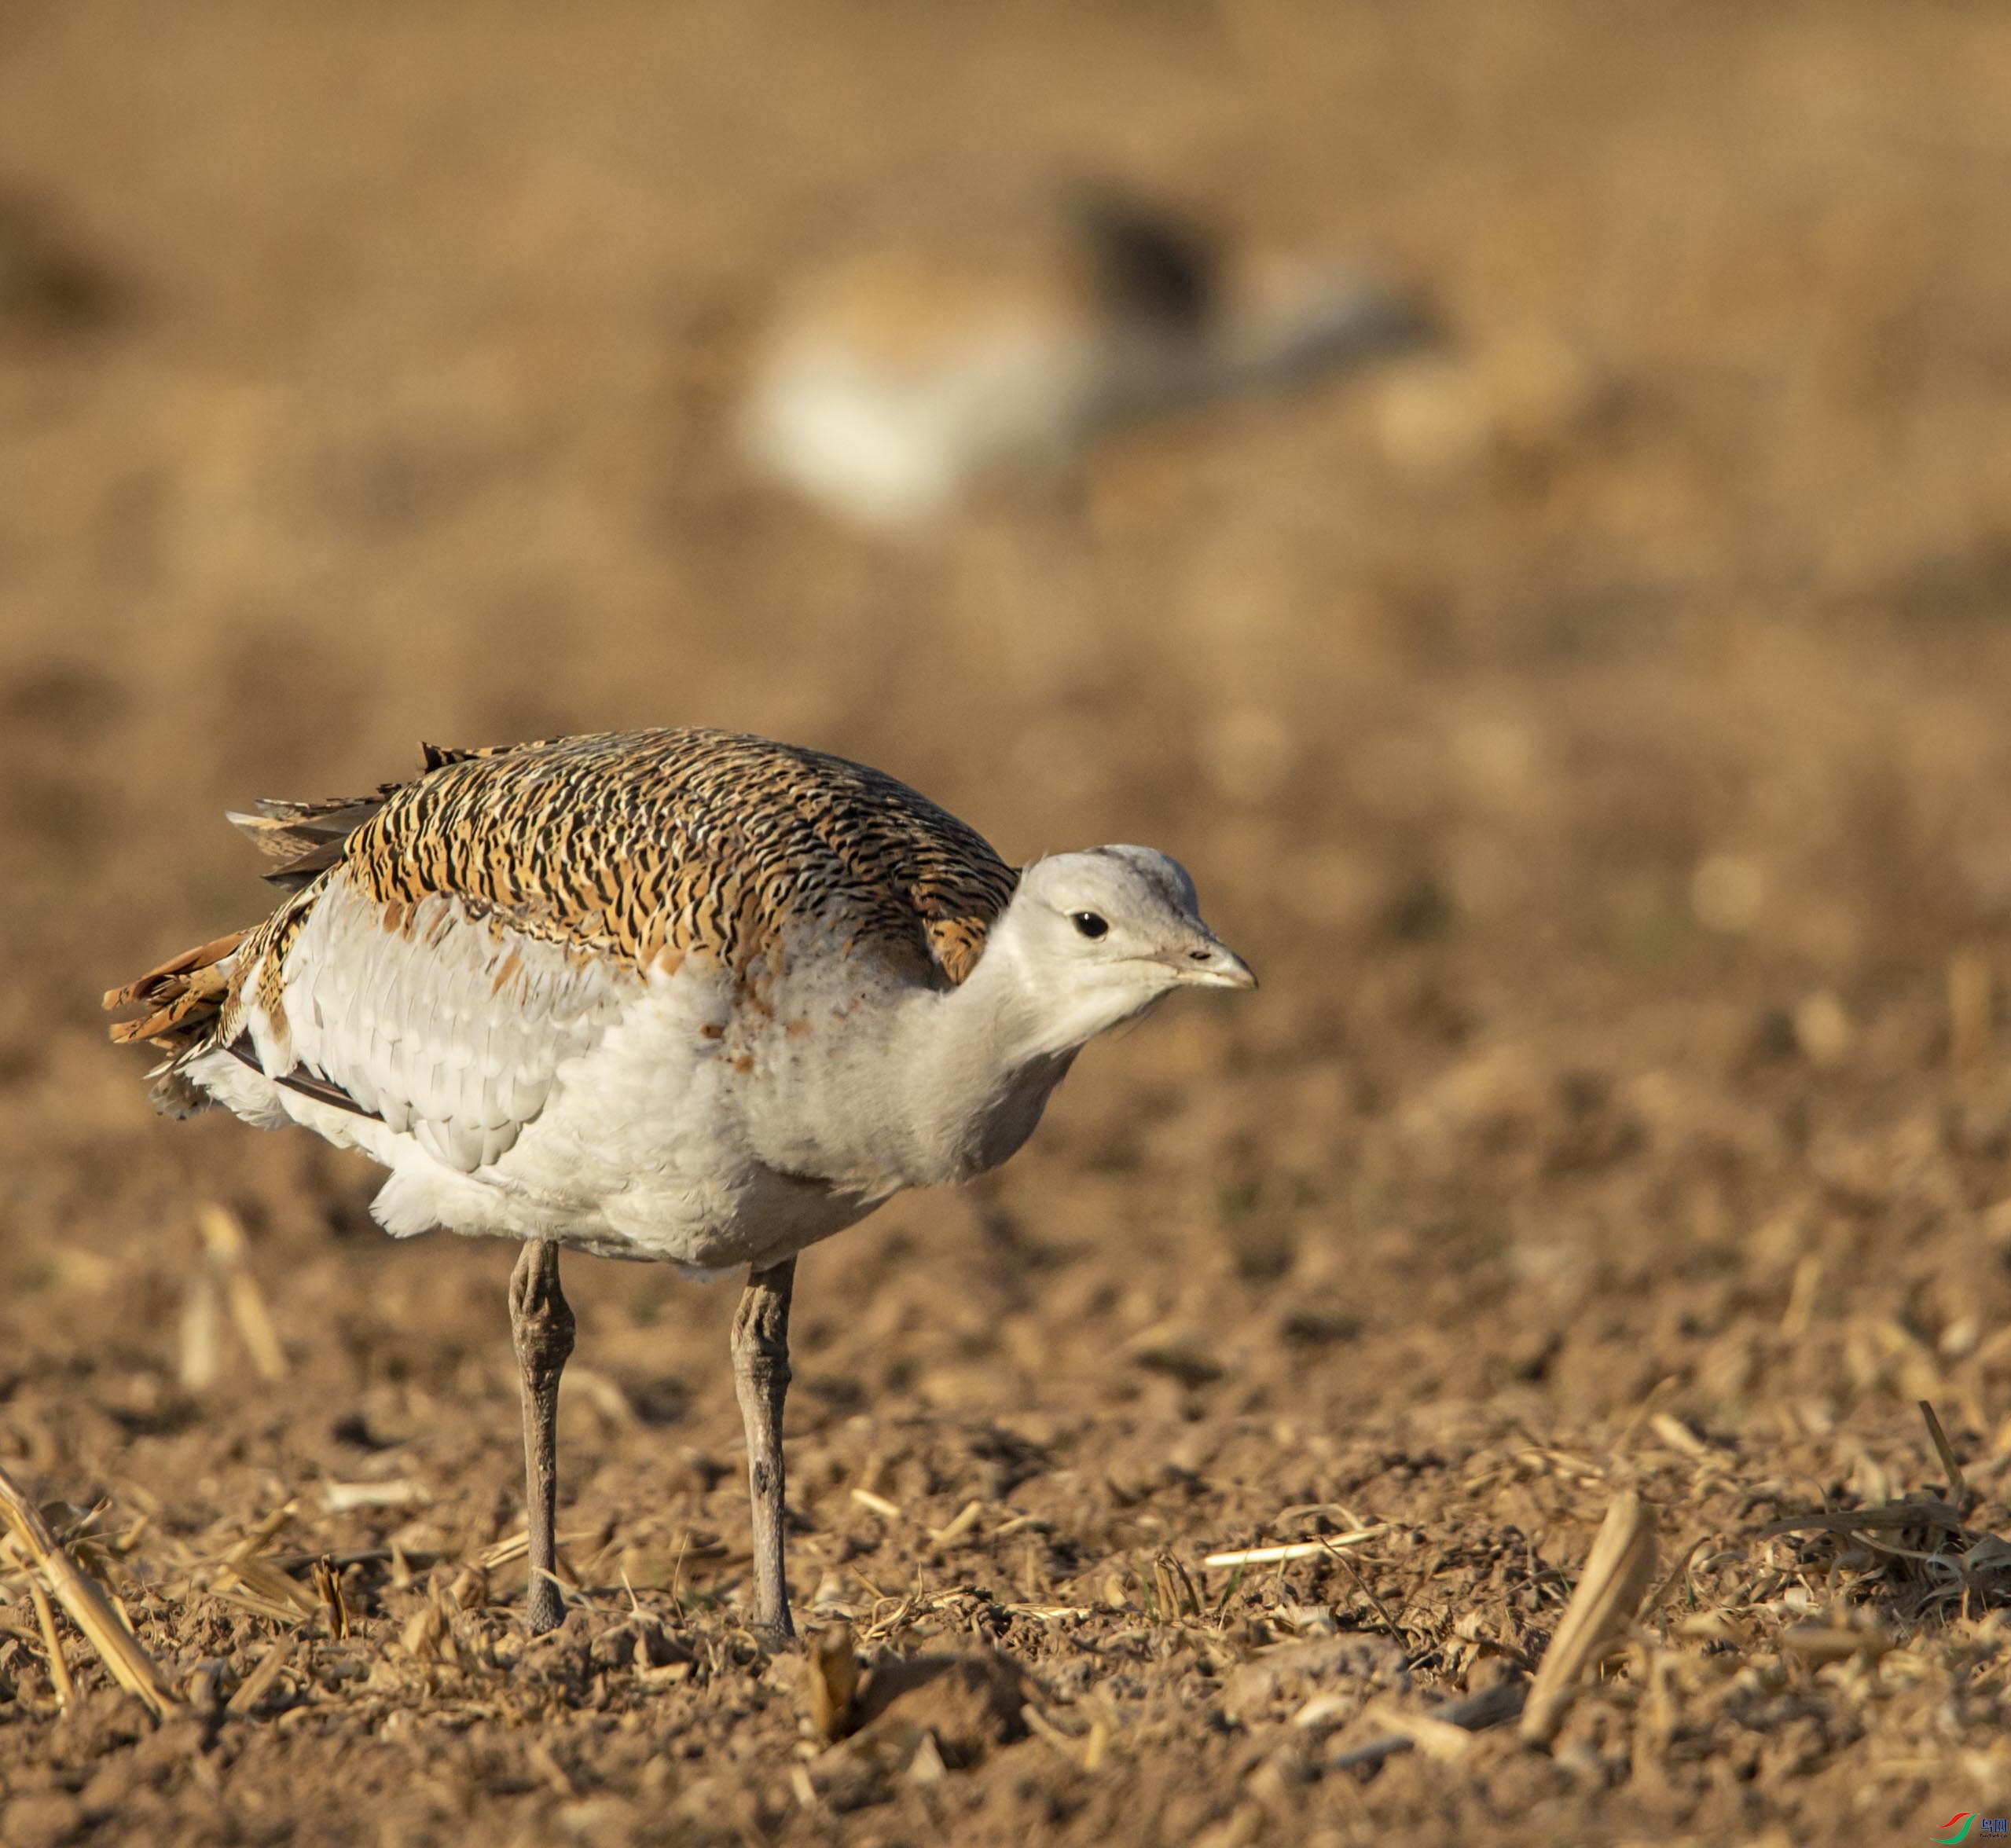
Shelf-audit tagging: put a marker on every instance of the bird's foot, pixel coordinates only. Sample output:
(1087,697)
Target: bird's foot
(544,1609)
(774,1638)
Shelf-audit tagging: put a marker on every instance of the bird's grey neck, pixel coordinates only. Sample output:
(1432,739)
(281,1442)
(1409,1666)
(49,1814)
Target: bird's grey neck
(978,1063)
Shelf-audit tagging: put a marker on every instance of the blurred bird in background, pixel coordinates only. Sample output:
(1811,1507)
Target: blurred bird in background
(940,338)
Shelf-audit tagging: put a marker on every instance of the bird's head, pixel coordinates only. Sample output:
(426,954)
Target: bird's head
(1096,937)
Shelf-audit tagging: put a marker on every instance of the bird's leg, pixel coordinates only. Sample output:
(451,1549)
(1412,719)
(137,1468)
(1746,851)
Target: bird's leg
(541,1326)
(761,1375)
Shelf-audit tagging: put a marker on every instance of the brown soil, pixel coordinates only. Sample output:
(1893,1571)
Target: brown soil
(1596,736)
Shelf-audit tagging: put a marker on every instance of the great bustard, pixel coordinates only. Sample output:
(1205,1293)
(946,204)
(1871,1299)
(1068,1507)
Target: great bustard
(954,333)
(678,994)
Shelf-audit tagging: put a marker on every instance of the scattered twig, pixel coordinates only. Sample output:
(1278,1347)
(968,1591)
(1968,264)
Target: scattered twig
(517,1546)
(1368,1591)
(1677,1574)
(831,1667)
(1927,1512)
(1618,1572)
(59,1669)
(224,1280)
(961,1524)
(259,1682)
(1297,1549)
(328,1590)
(1173,1587)
(88,1608)
(1958,1485)
(1473,1713)
(400,1492)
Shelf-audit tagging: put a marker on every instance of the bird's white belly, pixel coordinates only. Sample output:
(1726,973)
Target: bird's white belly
(641,1149)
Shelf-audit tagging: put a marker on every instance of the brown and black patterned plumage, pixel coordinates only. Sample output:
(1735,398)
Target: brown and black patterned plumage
(633,848)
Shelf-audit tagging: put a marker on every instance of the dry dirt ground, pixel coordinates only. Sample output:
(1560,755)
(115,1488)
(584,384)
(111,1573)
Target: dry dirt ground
(1595,734)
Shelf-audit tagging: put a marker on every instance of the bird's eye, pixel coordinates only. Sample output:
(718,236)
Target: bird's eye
(1088,923)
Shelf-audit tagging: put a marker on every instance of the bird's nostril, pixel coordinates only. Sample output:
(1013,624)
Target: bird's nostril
(1199,955)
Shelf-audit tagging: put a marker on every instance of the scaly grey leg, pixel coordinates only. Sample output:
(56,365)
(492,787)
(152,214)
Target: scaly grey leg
(761,1375)
(541,1326)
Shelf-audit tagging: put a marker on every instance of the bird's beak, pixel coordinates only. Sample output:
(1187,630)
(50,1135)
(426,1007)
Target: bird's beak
(1213,965)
